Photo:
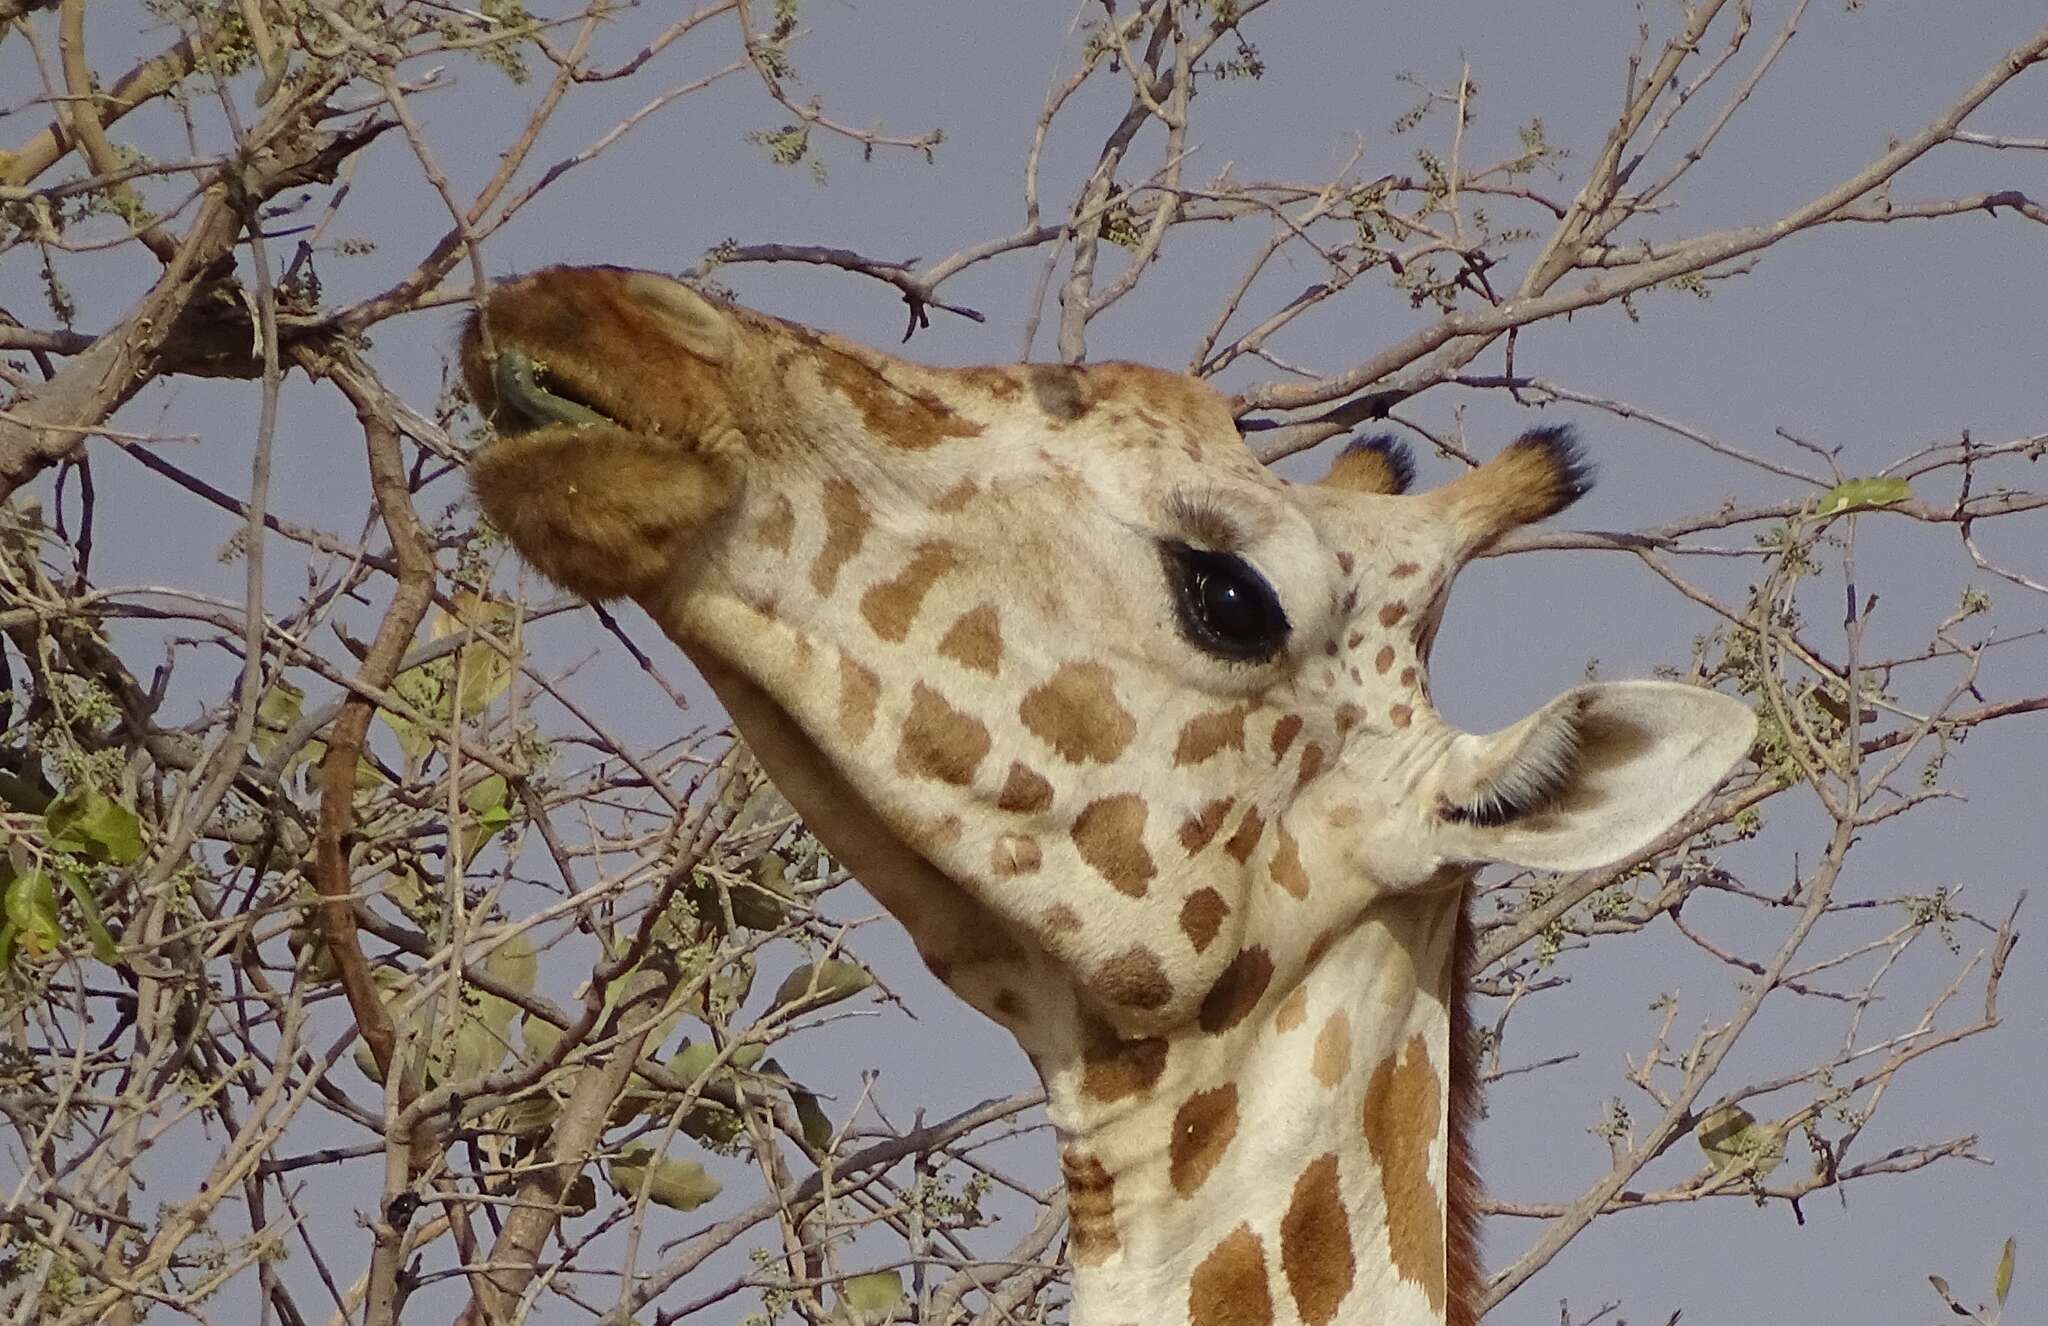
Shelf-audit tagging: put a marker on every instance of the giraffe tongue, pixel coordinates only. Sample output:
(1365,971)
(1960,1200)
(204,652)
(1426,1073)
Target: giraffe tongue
(517,379)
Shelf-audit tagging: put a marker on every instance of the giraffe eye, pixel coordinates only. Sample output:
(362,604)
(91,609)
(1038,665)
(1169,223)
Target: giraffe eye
(1226,608)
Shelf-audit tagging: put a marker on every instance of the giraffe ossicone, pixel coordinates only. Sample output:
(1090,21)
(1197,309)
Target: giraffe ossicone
(1134,738)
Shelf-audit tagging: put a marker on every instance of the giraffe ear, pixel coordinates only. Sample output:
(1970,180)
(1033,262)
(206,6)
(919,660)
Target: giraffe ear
(1378,464)
(693,322)
(1591,778)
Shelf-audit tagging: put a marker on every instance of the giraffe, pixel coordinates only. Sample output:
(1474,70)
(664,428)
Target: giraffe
(1134,738)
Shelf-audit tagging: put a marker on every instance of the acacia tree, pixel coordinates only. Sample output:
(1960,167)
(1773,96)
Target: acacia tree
(359,960)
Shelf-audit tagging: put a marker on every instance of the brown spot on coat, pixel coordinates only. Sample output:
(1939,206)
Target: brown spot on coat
(1091,1208)
(1402,570)
(1202,736)
(1197,829)
(1383,660)
(1201,916)
(955,499)
(975,640)
(1237,991)
(1060,919)
(1076,713)
(1229,1287)
(1315,1243)
(1293,1009)
(911,418)
(893,605)
(1202,1129)
(1286,867)
(1284,733)
(1401,715)
(1024,792)
(939,741)
(1112,1068)
(1311,763)
(1134,978)
(999,381)
(1060,391)
(1403,1110)
(859,689)
(846,525)
(1345,562)
(1246,839)
(1333,1050)
(1392,612)
(1110,835)
(777,525)
(1348,716)
(1014,854)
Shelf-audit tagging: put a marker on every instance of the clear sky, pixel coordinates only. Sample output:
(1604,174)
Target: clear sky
(1877,339)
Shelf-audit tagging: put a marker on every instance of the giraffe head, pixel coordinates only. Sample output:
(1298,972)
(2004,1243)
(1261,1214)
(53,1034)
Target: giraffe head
(1093,702)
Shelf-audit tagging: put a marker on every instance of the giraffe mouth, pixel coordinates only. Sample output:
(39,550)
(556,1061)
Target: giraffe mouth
(533,395)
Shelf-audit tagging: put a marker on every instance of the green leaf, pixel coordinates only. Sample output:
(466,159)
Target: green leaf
(873,1297)
(1731,1139)
(485,672)
(471,1037)
(404,887)
(530,1114)
(1863,494)
(87,821)
(367,777)
(474,1048)
(425,689)
(31,908)
(280,709)
(824,983)
(540,1035)
(765,904)
(488,1022)
(2001,1278)
(488,800)
(18,793)
(680,1185)
(691,1062)
(811,1117)
(515,964)
(89,908)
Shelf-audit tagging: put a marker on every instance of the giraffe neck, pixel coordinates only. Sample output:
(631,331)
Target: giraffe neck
(1308,1162)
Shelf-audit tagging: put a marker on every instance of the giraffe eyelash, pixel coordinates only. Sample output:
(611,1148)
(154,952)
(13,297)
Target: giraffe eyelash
(1204,522)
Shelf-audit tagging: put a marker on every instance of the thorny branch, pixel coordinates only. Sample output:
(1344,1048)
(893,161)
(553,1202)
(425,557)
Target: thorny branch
(343,906)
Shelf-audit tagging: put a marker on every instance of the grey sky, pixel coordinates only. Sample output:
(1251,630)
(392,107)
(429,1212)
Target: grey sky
(1879,339)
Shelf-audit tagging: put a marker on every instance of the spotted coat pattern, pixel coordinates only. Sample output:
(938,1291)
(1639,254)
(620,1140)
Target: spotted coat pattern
(941,605)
